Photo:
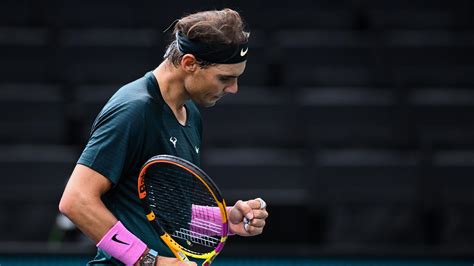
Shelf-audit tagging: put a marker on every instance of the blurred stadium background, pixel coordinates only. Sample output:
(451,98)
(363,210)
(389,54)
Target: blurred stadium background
(354,120)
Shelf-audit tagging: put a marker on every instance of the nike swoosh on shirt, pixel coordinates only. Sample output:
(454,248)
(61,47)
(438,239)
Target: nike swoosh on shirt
(114,238)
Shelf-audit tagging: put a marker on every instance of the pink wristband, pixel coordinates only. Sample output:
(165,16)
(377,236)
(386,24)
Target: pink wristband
(207,220)
(122,244)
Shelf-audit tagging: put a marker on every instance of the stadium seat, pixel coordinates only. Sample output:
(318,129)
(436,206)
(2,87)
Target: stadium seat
(106,55)
(370,196)
(37,172)
(354,117)
(443,116)
(15,13)
(256,116)
(449,183)
(274,174)
(90,14)
(33,114)
(27,55)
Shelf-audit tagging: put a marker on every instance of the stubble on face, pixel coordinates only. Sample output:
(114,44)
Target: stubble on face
(209,84)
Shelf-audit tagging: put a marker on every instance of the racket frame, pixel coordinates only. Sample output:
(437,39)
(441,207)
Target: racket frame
(180,252)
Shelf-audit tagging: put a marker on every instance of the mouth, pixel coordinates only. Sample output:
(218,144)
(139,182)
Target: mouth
(218,97)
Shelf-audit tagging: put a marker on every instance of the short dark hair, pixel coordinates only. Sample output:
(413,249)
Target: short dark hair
(212,27)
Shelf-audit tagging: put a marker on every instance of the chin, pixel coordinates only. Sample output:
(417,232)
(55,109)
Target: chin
(209,104)
(206,103)
(210,101)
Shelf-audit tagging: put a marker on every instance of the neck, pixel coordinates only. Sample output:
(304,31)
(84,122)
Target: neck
(171,83)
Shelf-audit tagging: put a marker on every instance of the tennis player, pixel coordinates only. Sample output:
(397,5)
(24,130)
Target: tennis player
(156,114)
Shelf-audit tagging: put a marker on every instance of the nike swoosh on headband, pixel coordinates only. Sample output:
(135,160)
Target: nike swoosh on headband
(244,52)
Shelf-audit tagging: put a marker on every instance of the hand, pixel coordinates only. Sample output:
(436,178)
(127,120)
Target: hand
(255,214)
(166,261)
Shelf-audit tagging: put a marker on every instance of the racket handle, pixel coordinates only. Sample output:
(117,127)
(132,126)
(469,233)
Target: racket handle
(174,248)
(180,255)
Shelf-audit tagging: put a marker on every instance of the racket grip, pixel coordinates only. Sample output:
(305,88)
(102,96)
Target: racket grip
(180,255)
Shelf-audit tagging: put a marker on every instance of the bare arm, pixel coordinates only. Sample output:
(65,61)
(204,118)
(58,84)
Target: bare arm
(81,202)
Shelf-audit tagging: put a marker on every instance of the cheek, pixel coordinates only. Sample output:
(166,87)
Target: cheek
(204,86)
(199,89)
(195,84)
(211,86)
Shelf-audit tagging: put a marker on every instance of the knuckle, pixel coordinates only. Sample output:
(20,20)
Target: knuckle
(250,229)
(239,204)
(258,222)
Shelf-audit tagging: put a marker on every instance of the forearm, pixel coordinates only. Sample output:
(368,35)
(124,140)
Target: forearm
(81,202)
(88,213)
(99,224)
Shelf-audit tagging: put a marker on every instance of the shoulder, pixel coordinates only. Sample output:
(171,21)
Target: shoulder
(133,97)
(134,94)
(129,105)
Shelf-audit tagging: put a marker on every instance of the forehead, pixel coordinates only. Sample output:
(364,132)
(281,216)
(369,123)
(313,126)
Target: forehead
(229,69)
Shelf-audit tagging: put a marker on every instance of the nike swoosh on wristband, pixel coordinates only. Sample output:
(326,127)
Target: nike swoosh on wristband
(244,52)
(114,238)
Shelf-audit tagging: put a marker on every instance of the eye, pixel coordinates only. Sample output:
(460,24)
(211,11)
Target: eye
(225,79)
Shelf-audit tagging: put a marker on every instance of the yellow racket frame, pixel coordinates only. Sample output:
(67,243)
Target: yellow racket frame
(179,251)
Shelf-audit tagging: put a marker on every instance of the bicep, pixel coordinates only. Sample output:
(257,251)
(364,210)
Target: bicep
(88,181)
(117,138)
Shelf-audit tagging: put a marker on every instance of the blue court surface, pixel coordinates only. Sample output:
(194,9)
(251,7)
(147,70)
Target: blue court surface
(74,260)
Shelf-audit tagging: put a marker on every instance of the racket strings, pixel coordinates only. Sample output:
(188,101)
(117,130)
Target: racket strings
(206,226)
(171,193)
(195,190)
(165,193)
(196,237)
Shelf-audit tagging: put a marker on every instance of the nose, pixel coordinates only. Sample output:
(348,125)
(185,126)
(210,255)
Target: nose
(232,88)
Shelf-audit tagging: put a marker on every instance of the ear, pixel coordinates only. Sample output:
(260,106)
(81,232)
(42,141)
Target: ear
(189,63)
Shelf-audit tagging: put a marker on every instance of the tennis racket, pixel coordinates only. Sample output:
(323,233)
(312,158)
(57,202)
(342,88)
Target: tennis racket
(184,206)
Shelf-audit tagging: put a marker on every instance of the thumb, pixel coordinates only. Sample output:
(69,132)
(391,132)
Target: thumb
(192,263)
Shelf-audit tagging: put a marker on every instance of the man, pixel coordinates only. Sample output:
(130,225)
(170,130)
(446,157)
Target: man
(154,115)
